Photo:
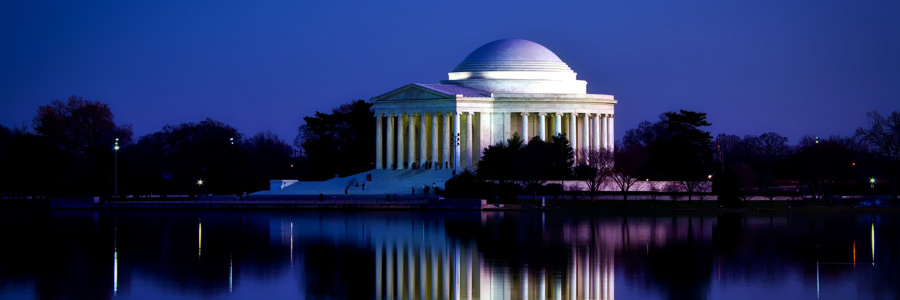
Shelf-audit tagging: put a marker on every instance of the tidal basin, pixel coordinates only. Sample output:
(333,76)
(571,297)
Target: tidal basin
(133,254)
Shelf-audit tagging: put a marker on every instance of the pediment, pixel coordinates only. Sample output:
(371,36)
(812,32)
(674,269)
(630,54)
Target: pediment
(413,92)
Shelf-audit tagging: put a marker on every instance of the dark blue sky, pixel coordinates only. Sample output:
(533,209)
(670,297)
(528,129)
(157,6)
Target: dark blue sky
(793,67)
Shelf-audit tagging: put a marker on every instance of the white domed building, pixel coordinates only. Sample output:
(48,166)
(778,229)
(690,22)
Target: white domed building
(504,87)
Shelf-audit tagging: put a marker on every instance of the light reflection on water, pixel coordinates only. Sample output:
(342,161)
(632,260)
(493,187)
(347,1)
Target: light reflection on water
(449,255)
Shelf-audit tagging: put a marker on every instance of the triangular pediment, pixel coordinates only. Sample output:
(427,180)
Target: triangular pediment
(413,92)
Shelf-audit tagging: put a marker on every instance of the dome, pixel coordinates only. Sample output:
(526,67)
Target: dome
(515,66)
(512,49)
(512,55)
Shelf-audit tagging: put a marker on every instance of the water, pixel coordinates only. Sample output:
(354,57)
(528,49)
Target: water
(446,255)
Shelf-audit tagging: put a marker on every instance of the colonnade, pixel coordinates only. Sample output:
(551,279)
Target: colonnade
(455,144)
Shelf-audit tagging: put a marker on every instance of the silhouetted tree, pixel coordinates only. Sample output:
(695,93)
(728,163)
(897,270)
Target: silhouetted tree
(883,137)
(677,147)
(85,132)
(594,167)
(177,158)
(765,152)
(631,160)
(31,164)
(342,142)
(268,157)
(820,163)
(501,161)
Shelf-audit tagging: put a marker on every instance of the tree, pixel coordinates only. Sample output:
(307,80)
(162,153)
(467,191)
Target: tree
(883,137)
(728,192)
(30,164)
(765,152)
(268,157)
(546,161)
(678,149)
(501,161)
(175,159)
(342,142)
(629,161)
(594,167)
(78,125)
(819,163)
(85,132)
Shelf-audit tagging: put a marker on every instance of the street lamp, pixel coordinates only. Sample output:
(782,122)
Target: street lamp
(872,182)
(116,171)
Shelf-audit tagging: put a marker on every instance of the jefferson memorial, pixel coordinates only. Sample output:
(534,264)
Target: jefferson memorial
(502,88)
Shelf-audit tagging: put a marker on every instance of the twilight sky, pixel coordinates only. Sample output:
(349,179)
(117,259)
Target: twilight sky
(793,67)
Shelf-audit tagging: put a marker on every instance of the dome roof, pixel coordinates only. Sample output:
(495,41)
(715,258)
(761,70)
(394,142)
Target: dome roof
(515,66)
(512,55)
(512,49)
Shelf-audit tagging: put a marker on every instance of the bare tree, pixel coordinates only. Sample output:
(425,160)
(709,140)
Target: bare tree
(883,137)
(703,190)
(624,182)
(654,190)
(593,168)
(674,190)
(690,187)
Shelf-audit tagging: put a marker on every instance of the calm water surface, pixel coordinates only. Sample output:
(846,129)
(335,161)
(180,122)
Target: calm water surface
(446,255)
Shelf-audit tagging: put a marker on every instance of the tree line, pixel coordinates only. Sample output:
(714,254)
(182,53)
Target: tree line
(69,151)
(678,149)
(74,148)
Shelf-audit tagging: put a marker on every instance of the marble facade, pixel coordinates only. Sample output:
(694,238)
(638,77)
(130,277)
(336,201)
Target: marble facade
(503,88)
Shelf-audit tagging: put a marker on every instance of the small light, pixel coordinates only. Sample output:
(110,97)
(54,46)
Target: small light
(872,180)
(199,182)
(853,164)
(709,177)
(292,166)
(116,148)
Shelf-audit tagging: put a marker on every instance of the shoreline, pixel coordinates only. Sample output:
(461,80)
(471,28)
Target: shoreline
(440,204)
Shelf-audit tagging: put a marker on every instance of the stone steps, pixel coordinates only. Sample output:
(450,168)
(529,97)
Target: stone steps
(383,182)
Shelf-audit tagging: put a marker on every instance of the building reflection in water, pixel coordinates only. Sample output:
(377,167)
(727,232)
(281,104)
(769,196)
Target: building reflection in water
(434,267)
(486,256)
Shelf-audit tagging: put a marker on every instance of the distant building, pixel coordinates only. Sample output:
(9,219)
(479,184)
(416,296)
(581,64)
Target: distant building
(504,87)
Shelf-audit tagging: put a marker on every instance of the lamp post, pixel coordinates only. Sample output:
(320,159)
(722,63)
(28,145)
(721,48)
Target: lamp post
(116,169)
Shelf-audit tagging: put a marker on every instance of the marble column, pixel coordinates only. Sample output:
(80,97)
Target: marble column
(400,143)
(423,145)
(596,131)
(411,148)
(558,125)
(390,142)
(573,140)
(379,164)
(603,130)
(525,136)
(586,132)
(456,141)
(611,135)
(542,126)
(469,138)
(447,137)
(434,141)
